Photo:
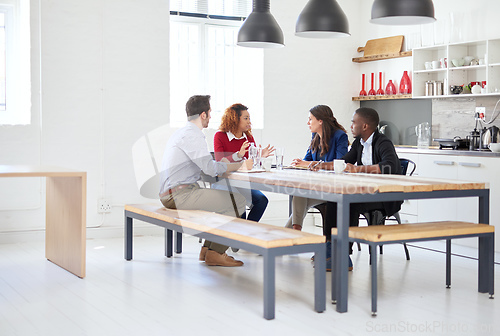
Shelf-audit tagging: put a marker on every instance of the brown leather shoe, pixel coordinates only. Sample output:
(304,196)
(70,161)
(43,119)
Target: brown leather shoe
(203,253)
(213,258)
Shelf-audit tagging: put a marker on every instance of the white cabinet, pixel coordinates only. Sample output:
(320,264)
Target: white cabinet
(489,71)
(437,166)
(455,167)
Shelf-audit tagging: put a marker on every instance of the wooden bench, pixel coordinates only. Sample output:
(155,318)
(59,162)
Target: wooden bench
(378,235)
(267,240)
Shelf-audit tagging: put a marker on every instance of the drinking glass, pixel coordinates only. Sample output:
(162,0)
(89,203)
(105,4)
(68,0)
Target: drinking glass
(252,153)
(258,159)
(279,153)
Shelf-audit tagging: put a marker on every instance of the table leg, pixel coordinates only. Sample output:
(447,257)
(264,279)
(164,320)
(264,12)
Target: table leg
(342,256)
(128,237)
(448,263)
(269,285)
(66,222)
(168,243)
(486,264)
(373,259)
(178,242)
(320,279)
(486,252)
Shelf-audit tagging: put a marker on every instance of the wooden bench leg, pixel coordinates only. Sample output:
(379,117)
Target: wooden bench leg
(178,242)
(168,243)
(128,238)
(486,264)
(320,279)
(373,258)
(269,285)
(448,263)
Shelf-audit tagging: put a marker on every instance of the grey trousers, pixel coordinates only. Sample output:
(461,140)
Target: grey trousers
(196,198)
(300,205)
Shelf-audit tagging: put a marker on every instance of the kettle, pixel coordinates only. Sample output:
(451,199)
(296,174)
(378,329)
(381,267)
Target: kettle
(492,134)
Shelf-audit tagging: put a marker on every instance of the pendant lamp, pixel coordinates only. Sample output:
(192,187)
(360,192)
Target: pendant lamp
(322,18)
(260,29)
(402,12)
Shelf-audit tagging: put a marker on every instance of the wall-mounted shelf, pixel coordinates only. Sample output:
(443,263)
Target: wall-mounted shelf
(487,50)
(381,57)
(391,97)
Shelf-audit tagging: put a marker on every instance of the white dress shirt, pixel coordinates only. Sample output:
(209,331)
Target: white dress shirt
(186,156)
(366,156)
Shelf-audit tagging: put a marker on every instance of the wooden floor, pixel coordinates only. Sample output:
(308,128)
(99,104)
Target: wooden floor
(154,295)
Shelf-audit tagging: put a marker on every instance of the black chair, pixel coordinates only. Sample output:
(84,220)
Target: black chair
(376,217)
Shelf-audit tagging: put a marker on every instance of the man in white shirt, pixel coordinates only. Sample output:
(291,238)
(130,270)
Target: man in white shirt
(186,157)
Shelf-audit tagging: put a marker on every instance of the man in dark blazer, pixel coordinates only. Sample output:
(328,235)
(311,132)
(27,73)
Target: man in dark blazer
(371,152)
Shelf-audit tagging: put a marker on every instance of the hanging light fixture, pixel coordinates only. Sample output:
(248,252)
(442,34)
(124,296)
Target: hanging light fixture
(322,18)
(402,12)
(260,29)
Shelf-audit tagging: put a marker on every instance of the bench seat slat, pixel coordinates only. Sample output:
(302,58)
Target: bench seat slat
(399,232)
(264,235)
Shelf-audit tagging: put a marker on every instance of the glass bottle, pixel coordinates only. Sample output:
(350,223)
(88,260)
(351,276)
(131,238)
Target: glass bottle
(372,91)
(405,84)
(362,93)
(390,89)
(380,91)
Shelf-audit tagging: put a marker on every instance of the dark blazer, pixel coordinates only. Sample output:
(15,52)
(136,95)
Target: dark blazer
(383,154)
(338,148)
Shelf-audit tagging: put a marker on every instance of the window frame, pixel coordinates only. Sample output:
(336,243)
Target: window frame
(203,25)
(17,63)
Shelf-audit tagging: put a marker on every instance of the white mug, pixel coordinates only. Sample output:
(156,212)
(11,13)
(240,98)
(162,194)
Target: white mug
(267,162)
(436,64)
(428,65)
(339,166)
(494,147)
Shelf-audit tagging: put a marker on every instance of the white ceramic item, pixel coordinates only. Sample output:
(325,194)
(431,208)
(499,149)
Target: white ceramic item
(494,147)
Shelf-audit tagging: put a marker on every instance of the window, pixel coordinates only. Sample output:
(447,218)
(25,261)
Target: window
(204,59)
(15,91)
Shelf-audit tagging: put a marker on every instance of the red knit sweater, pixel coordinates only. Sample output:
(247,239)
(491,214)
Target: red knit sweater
(225,148)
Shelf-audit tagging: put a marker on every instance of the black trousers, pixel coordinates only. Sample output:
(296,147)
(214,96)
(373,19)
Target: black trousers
(330,216)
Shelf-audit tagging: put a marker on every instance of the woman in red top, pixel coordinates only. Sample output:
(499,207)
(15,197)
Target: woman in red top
(232,142)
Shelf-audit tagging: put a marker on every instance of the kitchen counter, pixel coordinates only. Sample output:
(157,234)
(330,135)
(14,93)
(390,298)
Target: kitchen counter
(436,151)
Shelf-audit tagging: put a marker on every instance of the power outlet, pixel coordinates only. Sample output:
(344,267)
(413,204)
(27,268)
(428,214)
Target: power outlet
(103,206)
(480,113)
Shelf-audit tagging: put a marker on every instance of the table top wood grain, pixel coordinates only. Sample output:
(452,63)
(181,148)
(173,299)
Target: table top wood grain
(350,183)
(37,171)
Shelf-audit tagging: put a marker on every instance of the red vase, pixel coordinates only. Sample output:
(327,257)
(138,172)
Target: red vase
(372,91)
(362,92)
(405,85)
(390,89)
(380,91)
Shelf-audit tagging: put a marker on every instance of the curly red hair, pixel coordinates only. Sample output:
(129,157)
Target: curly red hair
(231,119)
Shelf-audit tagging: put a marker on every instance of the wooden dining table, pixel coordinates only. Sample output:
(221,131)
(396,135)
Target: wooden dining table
(65,212)
(347,188)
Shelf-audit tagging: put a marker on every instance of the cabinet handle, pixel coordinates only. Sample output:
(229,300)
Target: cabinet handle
(444,163)
(470,164)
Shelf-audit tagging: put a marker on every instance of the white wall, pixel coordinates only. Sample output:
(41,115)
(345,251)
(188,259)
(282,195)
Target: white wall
(105,83)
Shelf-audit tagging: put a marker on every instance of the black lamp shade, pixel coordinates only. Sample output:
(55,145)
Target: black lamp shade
(260,29)
(402,12)
(322,19)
